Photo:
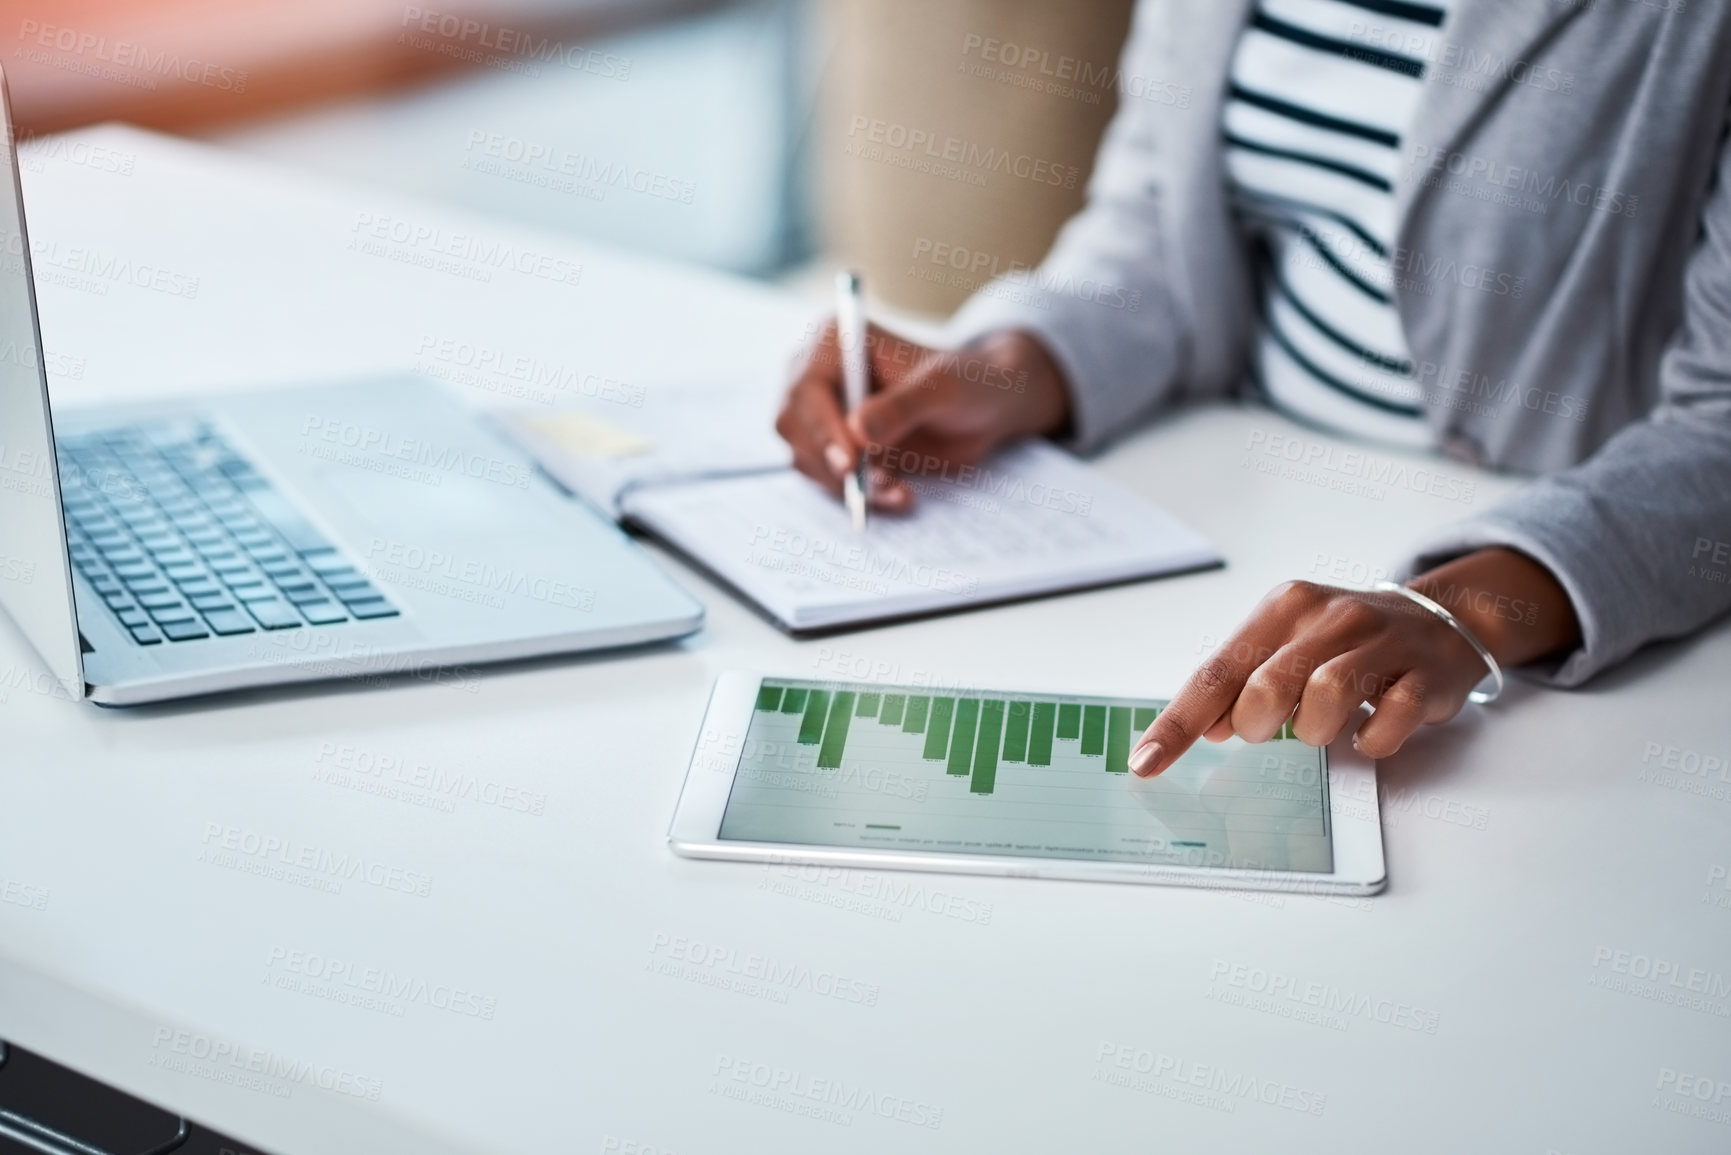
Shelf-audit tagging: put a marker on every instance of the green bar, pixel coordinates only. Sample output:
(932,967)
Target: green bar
(1145,716)
(938,727)
(962,742)
(1016,732)
(1069,720)
(986,747)
(915,722)
(811,726)
(792,701)
(835,734)
(1117,740)
(894,704)
(1094,730)
(1040,734)
(769,698)
(868,705)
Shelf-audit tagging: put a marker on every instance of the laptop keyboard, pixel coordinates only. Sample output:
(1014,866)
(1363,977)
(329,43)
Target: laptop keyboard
(184,539)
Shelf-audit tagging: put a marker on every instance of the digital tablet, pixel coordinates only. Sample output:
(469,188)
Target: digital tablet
(1025,784)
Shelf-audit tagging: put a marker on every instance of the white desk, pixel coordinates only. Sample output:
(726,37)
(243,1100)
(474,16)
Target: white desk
(1535,873)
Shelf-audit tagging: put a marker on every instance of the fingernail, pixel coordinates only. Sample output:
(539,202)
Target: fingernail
(1143,758)
(840,461)
(891,497)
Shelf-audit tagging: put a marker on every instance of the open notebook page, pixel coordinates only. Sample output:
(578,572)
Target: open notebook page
(1033,520)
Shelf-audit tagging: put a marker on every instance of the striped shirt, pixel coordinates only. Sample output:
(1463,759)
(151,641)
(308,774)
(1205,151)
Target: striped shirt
(1321,93)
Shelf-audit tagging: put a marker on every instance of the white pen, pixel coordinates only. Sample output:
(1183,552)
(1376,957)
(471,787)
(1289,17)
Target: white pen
(855,377)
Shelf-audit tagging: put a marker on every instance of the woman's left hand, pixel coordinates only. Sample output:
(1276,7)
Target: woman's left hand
(1314,653)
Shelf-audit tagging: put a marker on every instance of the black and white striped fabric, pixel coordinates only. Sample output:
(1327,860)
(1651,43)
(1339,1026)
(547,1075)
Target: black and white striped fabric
(1321,93)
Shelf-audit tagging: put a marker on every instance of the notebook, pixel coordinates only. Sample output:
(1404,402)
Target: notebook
(714,483)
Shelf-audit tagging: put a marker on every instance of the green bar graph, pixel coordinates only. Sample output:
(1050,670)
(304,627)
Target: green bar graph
(938,727)
(986,747)
(972,737)
(1016,732)
(835,733)
(962,741)
(1040,734)
(1117,739)
(1093,730)
(811,726)
(915,721)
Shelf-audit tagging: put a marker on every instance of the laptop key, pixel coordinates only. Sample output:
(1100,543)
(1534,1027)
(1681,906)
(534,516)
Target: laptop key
(324,613)
(132,616)
(183,569)
(159,601)
(372,608)
(135,570)
(175,613)
(146,635)
(184,631)
(257,593)
(274,614)
(198,587)
(357,593)
(305,597)
(228,621)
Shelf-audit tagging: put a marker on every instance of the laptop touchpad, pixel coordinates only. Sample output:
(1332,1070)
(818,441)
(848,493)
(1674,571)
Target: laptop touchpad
(437,508)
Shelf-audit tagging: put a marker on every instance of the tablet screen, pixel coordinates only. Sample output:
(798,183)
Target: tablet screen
(1017,775)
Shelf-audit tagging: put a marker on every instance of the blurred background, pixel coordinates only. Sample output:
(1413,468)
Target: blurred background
(934,143)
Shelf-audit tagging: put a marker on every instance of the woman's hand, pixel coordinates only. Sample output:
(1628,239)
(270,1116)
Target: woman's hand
(926,405)
(1322,651)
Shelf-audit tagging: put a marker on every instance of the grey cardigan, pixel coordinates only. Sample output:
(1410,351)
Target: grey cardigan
(1563,274)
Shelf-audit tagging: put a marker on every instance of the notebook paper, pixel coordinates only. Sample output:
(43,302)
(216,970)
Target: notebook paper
(1031,521)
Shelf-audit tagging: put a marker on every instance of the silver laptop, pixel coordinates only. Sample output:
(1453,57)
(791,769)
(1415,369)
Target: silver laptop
(178,548)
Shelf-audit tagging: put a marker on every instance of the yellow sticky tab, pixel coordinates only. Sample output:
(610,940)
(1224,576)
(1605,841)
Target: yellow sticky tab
(586,436)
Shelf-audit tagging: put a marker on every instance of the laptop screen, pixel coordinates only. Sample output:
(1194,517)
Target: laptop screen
(35,575)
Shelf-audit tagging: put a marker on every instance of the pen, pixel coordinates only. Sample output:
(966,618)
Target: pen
(855,376)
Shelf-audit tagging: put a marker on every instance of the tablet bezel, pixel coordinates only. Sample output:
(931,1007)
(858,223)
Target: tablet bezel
(695,830)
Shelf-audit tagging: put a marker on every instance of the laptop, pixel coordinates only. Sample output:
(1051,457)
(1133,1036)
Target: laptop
(178,548)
